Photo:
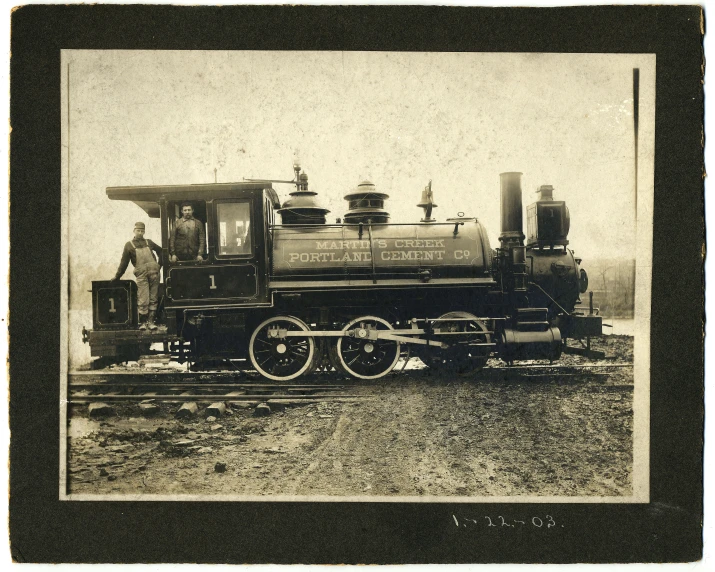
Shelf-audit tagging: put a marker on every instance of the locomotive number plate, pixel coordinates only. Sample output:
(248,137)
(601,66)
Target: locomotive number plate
(213,282)
(113,306)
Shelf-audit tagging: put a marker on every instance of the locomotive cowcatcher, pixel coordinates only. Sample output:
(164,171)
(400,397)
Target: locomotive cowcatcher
(354,295)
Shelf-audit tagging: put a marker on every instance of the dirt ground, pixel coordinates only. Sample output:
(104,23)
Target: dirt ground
(415,434)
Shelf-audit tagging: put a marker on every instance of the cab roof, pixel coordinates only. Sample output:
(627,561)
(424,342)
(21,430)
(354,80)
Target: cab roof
(149,197)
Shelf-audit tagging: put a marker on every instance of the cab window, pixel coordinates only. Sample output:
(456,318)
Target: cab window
(234,228)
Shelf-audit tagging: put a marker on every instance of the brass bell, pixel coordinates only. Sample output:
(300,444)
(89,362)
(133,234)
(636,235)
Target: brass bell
(427,203)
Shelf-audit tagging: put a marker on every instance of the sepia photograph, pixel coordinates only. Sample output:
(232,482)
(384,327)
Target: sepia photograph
(356,284)
(372,276)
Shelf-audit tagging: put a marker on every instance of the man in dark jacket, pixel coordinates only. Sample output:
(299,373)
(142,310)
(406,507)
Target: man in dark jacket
(146,270)
(188,240)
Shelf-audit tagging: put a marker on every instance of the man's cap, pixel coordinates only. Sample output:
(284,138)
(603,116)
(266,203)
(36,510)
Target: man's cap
(139,225)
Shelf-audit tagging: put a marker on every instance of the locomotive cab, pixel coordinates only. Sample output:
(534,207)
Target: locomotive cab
(203,295)
(234,219)
(232,268)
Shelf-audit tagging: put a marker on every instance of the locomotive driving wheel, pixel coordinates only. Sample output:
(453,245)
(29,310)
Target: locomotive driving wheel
(461,357)
(361,355)
(281,358)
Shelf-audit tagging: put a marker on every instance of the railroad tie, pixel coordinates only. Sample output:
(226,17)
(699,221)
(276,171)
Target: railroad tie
(99,409)
(216,409)
(188,408)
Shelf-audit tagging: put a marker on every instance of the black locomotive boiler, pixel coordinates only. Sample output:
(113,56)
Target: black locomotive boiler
(355,295)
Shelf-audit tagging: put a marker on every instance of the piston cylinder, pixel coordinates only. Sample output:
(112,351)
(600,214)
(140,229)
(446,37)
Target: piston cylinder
(512,233)
(518,345)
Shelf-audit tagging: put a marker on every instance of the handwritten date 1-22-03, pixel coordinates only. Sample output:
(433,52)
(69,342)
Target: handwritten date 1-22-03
(545,522)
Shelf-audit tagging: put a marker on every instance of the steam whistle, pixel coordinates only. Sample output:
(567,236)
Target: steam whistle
(427,203)
(300,181)
(302,207)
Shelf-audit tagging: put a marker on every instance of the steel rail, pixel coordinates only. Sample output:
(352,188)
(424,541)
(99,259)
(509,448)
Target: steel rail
(166,384)
(203,398)
(561,366)
(161,373)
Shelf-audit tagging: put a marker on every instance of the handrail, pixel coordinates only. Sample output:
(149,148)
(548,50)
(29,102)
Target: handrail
(357,224)
(372,254)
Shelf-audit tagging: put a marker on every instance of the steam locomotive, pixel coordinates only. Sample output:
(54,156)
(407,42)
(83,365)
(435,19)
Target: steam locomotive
(355,295)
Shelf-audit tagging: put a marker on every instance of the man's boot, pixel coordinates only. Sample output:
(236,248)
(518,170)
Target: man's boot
(150,321)
(142,321)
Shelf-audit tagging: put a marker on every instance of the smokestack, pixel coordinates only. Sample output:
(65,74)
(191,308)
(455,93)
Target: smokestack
(511,217)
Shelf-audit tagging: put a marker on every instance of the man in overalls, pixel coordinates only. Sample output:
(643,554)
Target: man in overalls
(146,271)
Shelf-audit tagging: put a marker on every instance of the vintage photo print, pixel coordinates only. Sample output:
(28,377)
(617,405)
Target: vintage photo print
(356,284)
(342,276)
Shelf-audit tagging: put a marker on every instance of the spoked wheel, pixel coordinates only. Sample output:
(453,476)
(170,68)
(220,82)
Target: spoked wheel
(461,358)
(363,357)
(281,359)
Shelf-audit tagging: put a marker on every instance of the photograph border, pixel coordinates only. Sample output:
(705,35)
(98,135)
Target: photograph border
(43,529)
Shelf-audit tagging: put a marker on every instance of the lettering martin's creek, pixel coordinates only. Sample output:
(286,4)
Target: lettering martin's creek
(294,250)
(359,251)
